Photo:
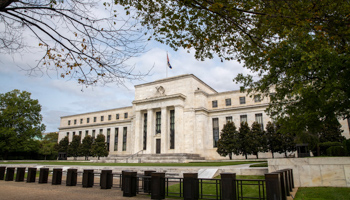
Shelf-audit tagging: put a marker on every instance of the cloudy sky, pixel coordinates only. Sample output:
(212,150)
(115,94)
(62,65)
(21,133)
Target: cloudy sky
(61,97)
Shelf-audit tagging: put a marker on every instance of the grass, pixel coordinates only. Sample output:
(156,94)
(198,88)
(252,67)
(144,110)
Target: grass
(323,193)
(193,164)
(209,187)
(259,165)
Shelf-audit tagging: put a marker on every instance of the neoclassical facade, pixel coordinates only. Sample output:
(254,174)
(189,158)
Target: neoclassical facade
(180,114)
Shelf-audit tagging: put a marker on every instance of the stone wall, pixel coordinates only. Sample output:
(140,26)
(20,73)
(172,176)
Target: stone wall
(316,171)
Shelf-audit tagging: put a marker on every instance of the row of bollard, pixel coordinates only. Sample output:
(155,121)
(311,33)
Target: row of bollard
(279,184)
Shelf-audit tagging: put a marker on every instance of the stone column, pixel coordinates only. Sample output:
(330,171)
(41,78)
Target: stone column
(111,140)
(179,128)
(137,136)
(164,131)
(150,132)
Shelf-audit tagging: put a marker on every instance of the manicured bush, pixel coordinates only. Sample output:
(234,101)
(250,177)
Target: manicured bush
(325,145)
(336,151)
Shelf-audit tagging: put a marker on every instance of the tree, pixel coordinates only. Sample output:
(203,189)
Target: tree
(75,38)
(258,142)
(86,147)
(99,147)
(51,137)
(63,145)
(74,147)
(287,140)
(243,144)
(48,145)
(227,140)
(273,139)
(298,49)
(20,123)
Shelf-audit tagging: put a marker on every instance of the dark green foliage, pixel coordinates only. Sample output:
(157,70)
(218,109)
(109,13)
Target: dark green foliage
(99,147)
(336,151)
(63,145)
(20,124)
(273,139)
(48,146)
(86,147)
(51,137)
(287,140)
(259,139)
(227,140)
(326,145)
(243,141)
(346,145)
(74,147)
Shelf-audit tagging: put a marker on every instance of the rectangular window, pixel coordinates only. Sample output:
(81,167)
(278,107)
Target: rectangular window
(95,119)
(87,120)
(241,100)
(81,121)
(75,121)
(117,116)
(102,118)
(145,131)
(259,119)
(86,133)
(109,117)
(108,137)
(67,134)
(228,119)
(214,103)
(244,118)
(93,133)
(116,130)
(68,122)
(80,133)
(257,98)
(158,122)
(124,138)
(228,102)
(101,131)
(172,129)
(215,131)
(125,115)
(73,134)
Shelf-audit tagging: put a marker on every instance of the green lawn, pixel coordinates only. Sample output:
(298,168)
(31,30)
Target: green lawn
(194,164)
(209,187)
(323,193)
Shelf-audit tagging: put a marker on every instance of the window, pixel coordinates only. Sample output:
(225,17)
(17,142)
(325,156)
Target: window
(158,122)
(124,138)
(172,129)
(228,102)
(68,122)
(259,119)
(81,121)
(67,134)
(117,116)
(73,134)
(102,118)
(215,131)
(95,119)
(116,130)
(93,133)
(241,100)
(109,117)
(101,131)
(125,115)
(87,120)
(244,118)
(75,121)
(228,119)
(108,137)
(80,133)
(257,98)
(215,104)
(86,133)
(145,131)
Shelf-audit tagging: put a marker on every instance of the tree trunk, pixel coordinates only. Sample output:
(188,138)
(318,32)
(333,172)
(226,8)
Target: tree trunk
(230,156)
(285,154)
(45,157)
(246,157)
(273,156)
(257,155)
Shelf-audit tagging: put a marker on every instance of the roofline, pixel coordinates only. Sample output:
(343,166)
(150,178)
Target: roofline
(96,111)
(173,78)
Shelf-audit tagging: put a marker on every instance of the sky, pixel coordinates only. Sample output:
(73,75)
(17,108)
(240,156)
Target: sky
(61,97)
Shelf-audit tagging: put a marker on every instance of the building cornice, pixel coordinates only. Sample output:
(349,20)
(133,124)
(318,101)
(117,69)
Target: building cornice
(202,109)
(95,124)
(160,98)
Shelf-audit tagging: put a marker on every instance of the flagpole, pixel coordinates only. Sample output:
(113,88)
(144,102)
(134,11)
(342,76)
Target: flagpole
(166,66)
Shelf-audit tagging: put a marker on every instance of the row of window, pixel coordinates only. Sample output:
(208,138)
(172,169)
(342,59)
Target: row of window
(116,133)
(95,119)
(257,98)
(243,118)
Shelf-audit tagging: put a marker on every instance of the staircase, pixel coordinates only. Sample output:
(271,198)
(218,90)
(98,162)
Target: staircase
(152,158)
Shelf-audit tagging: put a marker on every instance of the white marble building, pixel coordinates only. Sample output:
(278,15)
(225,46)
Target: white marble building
(180,114)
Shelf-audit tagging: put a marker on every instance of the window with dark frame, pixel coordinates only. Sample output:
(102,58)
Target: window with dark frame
(68,122)
(108,137)
(86,133)
(67,134)
(244,118)
(102,118)
(116,130)
(172,129)
(81,121)
(228,102)
(158,122)
(241,100)
(109,117)
(75,121)
(215,103)
(87,120)
(124,138)
(93,134)
(126,115)
(229,119)
(215,132)
(80,133)
(101,131)
(257,98)
(73,134)
(259,119)
(144,131)
(117,116)
(95,119)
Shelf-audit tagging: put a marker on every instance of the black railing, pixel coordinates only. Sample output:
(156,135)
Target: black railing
(249,183)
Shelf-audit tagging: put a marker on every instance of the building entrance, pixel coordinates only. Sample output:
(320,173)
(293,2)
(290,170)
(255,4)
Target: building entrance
(157,146)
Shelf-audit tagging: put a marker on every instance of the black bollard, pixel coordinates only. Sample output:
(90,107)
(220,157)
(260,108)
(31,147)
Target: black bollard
(31,175)
(158,185)
(10,172)
(191,186)
(273,186)
(71,177)
(44,175)
(106,179)
(20,174)
(147,181)
(228,186)
(57,176)
(130,185)
(2,173)
(88,178)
